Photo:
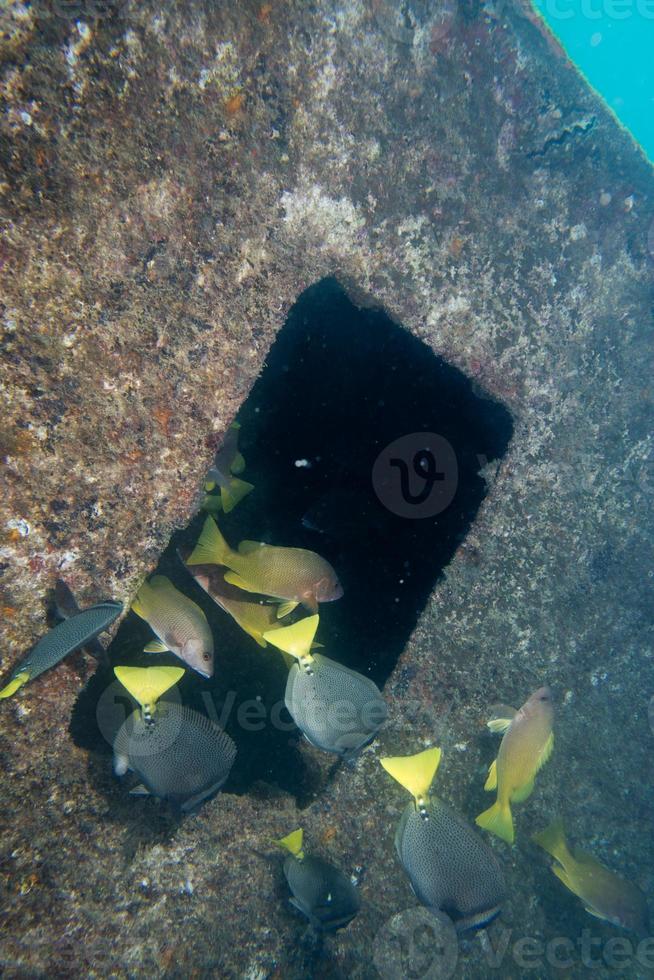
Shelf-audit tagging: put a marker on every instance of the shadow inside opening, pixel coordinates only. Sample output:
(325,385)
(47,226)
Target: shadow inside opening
(340,384)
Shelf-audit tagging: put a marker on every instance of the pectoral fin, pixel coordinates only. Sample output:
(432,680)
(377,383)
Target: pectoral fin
(285,608)
(155,646)
(235,579)
(500,717)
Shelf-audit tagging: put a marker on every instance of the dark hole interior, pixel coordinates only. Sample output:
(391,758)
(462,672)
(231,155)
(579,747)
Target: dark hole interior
(339,385)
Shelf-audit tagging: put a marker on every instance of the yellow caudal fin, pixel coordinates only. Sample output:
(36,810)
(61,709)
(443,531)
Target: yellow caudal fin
(292,843)
(239,463)
(212,502)
(498,820)
(14,684)
(232,494)
(552,840)
(148,684)
(295,639)
(211,549)
(491,779)
(414,772)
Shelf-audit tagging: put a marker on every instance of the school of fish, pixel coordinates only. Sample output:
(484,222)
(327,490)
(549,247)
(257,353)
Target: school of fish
(179,755)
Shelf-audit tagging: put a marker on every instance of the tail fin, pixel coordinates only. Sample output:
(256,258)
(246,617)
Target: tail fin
(295,639)
(212,502)
(552,840)
(211,549)
(148,684)
(414,772)
(293,843)
(234,492)
(498,820)
(14,684)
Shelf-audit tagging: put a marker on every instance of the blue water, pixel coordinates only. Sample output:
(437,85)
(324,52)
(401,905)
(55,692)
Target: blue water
(612,43)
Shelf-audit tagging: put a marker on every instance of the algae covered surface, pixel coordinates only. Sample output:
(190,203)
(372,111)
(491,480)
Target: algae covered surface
(173,177)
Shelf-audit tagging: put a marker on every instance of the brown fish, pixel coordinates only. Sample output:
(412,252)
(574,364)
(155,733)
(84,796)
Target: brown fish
(293,574)
(604,893)
(526,746)
(179,623)
(227,462)
(255,618)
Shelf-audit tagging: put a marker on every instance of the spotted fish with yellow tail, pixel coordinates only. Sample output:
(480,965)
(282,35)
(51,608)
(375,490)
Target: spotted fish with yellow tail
(337,709)
(64,638)
(320,891)
(178,754)
(179,623)
(293,574)
(525,747)
(605,894)
(451,869)
(228,462)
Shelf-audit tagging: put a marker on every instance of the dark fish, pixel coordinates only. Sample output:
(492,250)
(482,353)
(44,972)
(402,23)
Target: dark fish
(65,607)
(337,709)
(64,638)
(227,462)
(451,869)
(320,891)
(177,753)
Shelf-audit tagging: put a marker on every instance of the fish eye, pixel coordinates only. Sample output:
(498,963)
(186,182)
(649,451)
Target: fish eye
(206,657)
